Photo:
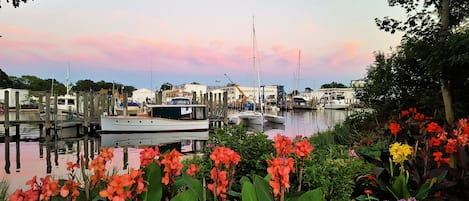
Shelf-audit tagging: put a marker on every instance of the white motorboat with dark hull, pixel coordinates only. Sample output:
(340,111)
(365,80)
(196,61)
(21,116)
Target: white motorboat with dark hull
(159,118)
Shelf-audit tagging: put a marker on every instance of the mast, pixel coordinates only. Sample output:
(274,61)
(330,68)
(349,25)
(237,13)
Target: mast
(67,80)
(254,49)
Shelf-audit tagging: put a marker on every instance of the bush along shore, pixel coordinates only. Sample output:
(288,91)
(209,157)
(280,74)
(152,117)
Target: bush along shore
(410,158)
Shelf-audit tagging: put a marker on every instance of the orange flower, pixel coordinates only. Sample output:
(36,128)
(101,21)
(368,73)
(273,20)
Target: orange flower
(71,165)
(70,186)
(394,127)
(192,169)
(99,165)
(282,145)
(222,179)
(147,156)
(280,168)
(172,166)
(49,188)
(126,186)
(303,149)
(434,128)
(437,157)
(368,191)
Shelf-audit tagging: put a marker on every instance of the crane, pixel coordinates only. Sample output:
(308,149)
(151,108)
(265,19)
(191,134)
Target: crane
(244,98)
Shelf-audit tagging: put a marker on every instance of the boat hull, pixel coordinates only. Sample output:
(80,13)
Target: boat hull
(130,124)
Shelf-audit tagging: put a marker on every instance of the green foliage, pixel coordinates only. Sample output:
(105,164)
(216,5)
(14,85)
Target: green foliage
(254,148)
(332,170)
(152,174)
(4,186)
(333,85)
(341,135)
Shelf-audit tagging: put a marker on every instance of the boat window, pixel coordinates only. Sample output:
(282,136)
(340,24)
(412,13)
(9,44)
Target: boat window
(199,113)
(71,102)
(61,101)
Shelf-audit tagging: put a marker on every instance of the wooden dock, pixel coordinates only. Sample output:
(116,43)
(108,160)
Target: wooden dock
(93,106)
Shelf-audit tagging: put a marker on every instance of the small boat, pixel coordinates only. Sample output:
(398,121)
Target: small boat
(132,109)
(301,103)
(333,100)
(175,117)
(274,118)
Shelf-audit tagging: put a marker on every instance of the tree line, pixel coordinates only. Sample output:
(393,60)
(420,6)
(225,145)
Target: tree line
(429,70)
(34,83)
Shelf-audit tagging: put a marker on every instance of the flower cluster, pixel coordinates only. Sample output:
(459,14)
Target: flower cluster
(223,177)
(400,152)
(282,165)
(121,187)
(148,155)
(172,166)
(192,169)
(99,165)
(38,191)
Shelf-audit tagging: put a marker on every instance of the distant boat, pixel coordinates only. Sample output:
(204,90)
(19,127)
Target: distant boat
(132,109)
(301,103)
(176,117)
(333,100)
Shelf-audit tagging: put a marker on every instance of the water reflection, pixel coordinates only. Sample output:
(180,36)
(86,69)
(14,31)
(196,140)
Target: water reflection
(48,156)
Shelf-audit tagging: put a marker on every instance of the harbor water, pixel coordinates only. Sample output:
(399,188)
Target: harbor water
(29,155)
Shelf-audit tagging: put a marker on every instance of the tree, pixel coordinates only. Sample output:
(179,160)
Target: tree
(333,85)
(16,3)
(84,85)
(422,24)
(5,81)
(166,86)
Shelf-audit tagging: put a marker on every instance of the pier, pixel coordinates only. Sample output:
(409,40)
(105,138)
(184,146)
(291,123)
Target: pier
(90,107)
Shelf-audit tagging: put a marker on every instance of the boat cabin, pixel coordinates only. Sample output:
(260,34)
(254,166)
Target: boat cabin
(179,112)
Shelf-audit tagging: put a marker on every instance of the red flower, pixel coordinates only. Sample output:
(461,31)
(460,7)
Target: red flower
(192,170)
(434,128)
(404,113)
(147,156)
(394,127)
(282,145)
(368,191)
(172,166)
(303,149)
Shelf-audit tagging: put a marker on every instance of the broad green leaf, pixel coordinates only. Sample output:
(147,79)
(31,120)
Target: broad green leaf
(263,189)
(152,174)
(248,192)
(194,184)
(315,194)
(188,195)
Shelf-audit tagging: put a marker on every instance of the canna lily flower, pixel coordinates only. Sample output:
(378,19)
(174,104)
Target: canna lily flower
(147,156)
(192,170)
(279,169)
(71,166)
(49,188)
(394,127)
(282,145)
(222,179)
(70,190)
(172,166)
(303,149)
(434,128)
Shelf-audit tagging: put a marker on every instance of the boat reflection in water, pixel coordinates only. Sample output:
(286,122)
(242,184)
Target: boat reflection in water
(186,139)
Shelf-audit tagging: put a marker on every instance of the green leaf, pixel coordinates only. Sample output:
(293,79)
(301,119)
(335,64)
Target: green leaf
(188,195)
(152,174)
(399,187)
(263,189)
(315,194)
(195,185)
(248,191)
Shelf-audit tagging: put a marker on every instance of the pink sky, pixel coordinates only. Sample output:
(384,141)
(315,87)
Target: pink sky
(147,44)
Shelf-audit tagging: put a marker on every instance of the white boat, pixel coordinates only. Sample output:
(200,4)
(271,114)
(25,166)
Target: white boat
(333,100)
(301,103)
(159,118)
(274,118)
(132,109)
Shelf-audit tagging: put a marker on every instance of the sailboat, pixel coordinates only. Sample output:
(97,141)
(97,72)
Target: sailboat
(255,117)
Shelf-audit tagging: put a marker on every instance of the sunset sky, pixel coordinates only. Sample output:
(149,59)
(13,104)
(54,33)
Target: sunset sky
(147,43)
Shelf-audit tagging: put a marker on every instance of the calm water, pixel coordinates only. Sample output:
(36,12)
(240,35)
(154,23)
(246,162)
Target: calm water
(22,159)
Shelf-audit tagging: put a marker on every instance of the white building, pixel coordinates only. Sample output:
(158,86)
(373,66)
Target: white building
(143,95)
(235,94)
(348,93)
(23,96)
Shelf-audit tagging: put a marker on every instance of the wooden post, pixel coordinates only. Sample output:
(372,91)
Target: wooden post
(56,109)
(7,154)
(18,161)
(125,105)
(86,120)
(225,107)
(126,157)
(211,104)
(77,104)
(92,106)
(47,120)
(194,97)
(17,113)
(6,110)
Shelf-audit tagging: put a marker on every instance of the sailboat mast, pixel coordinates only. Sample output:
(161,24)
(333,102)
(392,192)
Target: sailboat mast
(257,70)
